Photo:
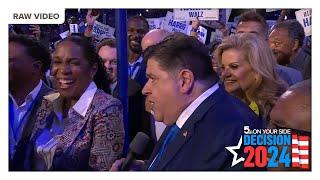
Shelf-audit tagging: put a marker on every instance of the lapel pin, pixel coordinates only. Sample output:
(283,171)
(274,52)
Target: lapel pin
(185,133)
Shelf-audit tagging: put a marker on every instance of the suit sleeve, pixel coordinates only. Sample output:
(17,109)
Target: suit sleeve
(108,136)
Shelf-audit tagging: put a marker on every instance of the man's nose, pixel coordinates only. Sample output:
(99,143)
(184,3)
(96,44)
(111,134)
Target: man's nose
(146,89)
(107,64)
(272,45)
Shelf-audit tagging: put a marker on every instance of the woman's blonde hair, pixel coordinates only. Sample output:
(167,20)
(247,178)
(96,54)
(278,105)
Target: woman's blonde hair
(267,86)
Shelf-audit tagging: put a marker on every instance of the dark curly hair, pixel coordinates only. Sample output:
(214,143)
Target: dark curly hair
(34,49)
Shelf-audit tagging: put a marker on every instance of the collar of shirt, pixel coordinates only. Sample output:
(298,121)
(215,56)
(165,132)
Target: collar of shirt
(80,107)
(113,86)
(30,97)
(194,105)
(139,60)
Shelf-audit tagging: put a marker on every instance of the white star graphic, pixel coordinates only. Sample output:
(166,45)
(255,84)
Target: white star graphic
(235,155)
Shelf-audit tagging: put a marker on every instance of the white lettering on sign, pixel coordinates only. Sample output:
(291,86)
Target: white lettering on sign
(192,14)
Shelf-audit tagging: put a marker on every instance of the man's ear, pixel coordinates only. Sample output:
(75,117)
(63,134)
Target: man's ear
(186,80)
(37,66)
(295,45)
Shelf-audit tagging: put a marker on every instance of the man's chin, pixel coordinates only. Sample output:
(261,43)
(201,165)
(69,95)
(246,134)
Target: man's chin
(283,61)
(136,50)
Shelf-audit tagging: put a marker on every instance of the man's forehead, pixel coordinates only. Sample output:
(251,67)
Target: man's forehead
(107,48)
(153,66)
(152,63)
(253,23)
(249,26)
(280,32)
(137,23)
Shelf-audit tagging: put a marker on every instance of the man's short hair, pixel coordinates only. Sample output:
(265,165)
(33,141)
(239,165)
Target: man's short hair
(295,29)
(140,18)
(255,17)
(34,49)
(106,42)
(183,52)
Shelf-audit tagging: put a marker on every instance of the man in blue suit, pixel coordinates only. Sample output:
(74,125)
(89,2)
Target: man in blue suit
(202,118)
(28,62)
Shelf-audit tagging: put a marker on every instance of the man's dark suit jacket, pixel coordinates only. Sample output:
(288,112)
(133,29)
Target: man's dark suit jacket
(200,144)
(139,119)
(141,77)
(17,162)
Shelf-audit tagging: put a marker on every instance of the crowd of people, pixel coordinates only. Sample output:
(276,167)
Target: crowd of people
(192,99)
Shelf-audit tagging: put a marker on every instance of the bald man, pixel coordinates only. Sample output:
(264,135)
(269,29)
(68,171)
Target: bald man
(293,108)
(153,37)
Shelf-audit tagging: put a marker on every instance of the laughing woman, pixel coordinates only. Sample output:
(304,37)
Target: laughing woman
(79,127)
(248,72)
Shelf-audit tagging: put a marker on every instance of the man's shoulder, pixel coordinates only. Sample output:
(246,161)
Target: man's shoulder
(45,88)
(103,100)
(289,74)
(228,108)
(288,70)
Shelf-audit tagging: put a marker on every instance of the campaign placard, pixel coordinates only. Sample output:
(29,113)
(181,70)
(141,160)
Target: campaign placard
(64,34)
(192,14)
(155,23)
(171,25)
(201,33)
(304,18)
(101,30)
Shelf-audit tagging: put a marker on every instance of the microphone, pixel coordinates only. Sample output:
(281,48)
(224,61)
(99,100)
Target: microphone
(137,147)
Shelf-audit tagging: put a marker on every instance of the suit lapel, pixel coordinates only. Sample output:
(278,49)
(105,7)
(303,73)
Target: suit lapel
(188,128)
(29,125)
(44,118)
(158,145)
(74,126)
(182,137)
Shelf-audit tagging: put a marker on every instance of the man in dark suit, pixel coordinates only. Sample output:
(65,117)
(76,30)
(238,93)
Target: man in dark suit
(202,118)
(286,41)
(253,22)
(28,61)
